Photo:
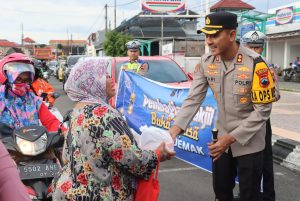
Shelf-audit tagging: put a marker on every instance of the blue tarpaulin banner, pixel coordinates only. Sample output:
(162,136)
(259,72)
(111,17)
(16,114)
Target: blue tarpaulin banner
(148,103)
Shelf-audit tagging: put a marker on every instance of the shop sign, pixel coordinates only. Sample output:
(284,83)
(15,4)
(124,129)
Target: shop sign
(163,6)
(284,15)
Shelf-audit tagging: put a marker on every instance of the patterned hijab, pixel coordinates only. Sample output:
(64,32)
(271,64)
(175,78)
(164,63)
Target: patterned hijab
(87,81)
(18,111)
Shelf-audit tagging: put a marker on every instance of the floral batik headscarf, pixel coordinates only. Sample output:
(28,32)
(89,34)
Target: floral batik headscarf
(87,81)
(18,111)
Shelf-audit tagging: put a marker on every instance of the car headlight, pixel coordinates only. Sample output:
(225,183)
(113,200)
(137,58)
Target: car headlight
(32,148)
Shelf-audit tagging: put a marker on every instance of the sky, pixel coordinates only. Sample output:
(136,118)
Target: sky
(45,20)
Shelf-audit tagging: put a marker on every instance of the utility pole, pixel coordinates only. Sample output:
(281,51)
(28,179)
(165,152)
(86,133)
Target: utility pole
(68,43)
(105,18)
(115,14)
(162,35)
(71,45)
(22,34)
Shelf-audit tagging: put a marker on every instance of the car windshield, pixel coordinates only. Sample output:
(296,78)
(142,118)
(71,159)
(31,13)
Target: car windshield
(72,61)
(165,71)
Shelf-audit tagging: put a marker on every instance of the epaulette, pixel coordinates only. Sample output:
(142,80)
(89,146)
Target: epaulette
(205,57)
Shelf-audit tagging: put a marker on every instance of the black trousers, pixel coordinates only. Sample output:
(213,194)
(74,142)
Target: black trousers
(268,171)
(249,170)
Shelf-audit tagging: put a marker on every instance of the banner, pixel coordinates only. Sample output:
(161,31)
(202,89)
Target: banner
(148,103)
(163,6)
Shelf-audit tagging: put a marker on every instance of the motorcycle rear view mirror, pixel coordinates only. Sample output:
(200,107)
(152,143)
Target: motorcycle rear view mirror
(67,116)
(44,95)
(56,95)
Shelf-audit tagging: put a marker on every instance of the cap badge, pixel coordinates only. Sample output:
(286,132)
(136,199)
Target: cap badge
(254,36)
(207,21)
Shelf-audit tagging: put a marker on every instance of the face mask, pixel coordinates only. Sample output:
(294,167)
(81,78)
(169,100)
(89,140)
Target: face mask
(20,89)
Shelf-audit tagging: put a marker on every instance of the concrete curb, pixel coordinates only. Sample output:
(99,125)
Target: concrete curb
(286,89)
(286,153)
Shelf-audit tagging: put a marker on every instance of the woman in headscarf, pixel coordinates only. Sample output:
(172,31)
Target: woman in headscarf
(19,106)
(102,158)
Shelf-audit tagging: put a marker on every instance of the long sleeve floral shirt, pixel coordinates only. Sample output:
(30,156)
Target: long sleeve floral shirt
(103,160)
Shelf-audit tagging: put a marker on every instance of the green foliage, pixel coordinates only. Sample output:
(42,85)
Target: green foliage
(59,46)
(114,44)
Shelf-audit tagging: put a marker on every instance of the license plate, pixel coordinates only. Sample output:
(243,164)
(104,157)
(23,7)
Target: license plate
(38,171)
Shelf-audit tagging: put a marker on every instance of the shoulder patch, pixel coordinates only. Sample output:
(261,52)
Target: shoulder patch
(263,86)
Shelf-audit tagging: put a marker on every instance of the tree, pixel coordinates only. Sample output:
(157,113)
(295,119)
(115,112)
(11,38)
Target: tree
(59,46)
(114,44)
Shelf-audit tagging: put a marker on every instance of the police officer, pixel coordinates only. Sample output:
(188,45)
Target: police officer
(244,90)
(255,40)
(135,64)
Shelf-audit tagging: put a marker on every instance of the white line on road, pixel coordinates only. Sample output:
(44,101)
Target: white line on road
(178,169)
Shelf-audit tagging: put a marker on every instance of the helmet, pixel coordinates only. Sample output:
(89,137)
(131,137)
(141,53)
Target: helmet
(133,45)
(13,61)
(254,39)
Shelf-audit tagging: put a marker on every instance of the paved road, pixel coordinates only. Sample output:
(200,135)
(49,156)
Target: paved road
(180,181)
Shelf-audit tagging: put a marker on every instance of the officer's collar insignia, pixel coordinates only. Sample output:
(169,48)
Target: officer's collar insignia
(254,36)
(263,77)
(239,59)
(207,21)
(217,59)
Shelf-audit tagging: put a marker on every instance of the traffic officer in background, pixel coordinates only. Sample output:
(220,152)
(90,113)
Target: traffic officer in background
(135,64)
(255,40)
(244,90)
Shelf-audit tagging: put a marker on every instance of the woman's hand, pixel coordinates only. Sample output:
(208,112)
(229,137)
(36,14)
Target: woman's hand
(165,153)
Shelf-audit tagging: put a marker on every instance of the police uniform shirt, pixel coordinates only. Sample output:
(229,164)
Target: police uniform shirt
(243,93)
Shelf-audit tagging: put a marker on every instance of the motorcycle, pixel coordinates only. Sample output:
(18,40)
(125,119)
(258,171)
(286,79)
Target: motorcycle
(291,74)
(37,156)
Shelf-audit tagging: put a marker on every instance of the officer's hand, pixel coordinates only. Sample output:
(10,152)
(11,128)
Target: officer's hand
(123,67)
(218,148)
(174,131)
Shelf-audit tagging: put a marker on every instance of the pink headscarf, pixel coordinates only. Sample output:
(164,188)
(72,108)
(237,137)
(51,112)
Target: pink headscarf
(87,80)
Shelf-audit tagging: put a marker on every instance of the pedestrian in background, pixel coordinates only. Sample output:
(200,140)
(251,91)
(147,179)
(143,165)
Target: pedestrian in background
(238,78)
(103,160)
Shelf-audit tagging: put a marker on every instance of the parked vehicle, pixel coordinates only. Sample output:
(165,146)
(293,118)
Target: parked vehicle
(161,69)
(30,147)
(53,66)
(71,61)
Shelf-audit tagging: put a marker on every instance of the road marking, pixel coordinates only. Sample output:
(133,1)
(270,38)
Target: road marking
(283,111)
(286,133)
(178,169)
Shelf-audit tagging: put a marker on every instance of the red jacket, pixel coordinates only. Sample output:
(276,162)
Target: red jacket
(48,120)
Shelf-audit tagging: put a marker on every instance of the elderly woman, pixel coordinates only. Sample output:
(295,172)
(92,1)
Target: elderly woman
(103,160)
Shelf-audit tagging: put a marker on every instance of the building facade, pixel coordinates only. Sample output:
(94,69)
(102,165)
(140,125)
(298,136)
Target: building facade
(283,31)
